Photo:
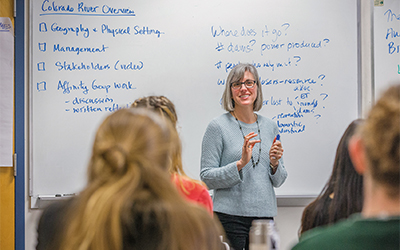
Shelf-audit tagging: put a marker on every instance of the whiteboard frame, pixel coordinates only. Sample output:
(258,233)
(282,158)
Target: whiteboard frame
(365,87)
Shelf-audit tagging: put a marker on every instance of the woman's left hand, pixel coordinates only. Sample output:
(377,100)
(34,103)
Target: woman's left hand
(275,153)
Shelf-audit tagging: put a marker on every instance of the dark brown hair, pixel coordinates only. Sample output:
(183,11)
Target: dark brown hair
(345,184)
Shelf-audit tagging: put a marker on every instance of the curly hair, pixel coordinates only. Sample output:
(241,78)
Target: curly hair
(381,139)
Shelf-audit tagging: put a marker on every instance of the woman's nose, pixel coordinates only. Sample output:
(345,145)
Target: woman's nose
(243,86)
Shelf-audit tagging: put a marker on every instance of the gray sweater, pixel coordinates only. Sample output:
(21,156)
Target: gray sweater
(250,191)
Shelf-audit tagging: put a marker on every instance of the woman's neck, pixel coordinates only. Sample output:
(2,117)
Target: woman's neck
(244,115)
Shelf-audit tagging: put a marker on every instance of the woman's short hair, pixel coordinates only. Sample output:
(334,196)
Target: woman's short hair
(236,74)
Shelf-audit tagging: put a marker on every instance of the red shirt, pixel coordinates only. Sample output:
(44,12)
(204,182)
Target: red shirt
(194,192)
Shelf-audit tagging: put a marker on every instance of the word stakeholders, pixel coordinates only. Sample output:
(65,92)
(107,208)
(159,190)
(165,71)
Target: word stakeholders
(55,7)
(72,66)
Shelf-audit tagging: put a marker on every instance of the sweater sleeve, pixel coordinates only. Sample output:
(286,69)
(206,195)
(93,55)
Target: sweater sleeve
(212,173)
(280,175)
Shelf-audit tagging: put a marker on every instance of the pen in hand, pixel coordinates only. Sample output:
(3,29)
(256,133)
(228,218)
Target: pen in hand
(277,137)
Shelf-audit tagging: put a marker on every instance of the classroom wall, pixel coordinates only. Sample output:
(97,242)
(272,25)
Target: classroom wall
(287,220)
(6,208)
(7,173)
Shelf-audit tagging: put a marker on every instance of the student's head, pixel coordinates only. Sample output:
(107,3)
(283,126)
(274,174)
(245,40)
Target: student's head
(160,104)
(343,164)
(344,188)
(345,183)
(129,138)
(237,74)
(129,201)
(163,106)
(375,150)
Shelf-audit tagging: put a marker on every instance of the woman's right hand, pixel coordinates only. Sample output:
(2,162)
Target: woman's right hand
(247,150)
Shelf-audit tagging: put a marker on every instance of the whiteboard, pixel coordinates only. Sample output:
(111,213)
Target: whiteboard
(89,58)
(386,45)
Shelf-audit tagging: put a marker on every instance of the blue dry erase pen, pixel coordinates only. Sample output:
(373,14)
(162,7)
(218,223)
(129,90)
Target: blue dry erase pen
(277,138)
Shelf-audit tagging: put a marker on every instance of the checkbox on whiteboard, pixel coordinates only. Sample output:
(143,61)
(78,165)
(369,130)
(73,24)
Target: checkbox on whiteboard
(41,86)
(42,47)
(42,27)
(41,66)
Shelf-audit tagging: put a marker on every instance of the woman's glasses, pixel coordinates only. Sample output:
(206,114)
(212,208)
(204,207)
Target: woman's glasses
(248,83)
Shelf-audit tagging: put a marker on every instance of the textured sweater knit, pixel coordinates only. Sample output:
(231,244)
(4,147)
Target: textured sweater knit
(250,191)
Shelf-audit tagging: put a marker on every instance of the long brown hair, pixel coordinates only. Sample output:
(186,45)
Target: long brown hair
(129,201)
(345,184)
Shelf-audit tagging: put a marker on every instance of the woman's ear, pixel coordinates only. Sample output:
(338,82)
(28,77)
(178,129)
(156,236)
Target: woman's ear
(357,154)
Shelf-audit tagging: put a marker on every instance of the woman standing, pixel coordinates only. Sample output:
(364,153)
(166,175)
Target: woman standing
(241,158)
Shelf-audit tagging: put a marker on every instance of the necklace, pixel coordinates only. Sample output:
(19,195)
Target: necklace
(259,135)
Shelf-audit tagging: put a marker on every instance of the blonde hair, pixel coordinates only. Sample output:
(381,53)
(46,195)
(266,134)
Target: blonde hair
(159,104)
(381,138)
(129,201)
(163,106)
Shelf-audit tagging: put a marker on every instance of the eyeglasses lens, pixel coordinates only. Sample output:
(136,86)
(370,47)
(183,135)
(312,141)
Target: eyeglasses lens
(249,84)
